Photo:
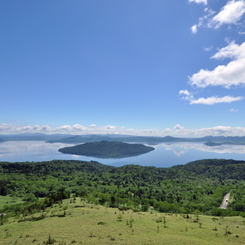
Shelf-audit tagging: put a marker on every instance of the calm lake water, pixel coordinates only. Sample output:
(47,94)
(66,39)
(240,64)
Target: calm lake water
(164,155)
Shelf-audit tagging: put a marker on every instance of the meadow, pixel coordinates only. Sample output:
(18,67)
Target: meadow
(75,202)
(8,200)
(74,221)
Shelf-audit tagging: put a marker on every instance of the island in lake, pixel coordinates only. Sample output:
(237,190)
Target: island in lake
(107,149)
(210,143)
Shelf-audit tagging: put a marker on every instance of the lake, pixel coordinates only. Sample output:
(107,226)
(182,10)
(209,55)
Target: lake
(164,155)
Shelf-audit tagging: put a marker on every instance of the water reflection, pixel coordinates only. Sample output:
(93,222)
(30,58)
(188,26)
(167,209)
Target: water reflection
(28,150)
(239,149)
(164,155)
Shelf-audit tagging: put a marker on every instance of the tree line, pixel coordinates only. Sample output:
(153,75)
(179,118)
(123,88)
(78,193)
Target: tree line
(197,187)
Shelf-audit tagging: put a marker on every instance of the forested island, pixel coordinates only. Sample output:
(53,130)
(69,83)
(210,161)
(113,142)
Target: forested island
(210,143)
(107,149)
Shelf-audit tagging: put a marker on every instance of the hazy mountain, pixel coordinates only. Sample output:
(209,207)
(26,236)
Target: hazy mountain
(76,139)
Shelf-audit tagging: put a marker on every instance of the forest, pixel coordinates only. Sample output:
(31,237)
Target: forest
(107,149)
(197,187)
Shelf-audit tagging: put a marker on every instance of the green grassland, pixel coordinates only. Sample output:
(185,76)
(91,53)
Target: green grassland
(8,200)
(76,202)
(84,223)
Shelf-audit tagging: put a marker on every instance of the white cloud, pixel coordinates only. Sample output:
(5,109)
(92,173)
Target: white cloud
(240,149)
(227,75)
(233,110)
(194,29)
(208,48)
(215,100)
(231,13)
(185,92)
(199,1)
(176,131)
(232,74)
(208,101)
(233,51)
(214,131)
(203,20)
(178,127)
(187,95)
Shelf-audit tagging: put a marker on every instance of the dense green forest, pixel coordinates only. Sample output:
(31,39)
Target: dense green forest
(107,149)
(197,187)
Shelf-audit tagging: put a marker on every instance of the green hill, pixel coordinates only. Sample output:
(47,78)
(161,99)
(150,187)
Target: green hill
(75,221)
(107,149)
(76,202)
(199,185)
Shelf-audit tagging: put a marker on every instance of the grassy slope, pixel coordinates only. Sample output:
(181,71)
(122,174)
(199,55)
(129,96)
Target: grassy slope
(80,226)
(7,200)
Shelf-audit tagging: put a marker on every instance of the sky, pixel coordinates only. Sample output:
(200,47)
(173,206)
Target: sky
(136,67)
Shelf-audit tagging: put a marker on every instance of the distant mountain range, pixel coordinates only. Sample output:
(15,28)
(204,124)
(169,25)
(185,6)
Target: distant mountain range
(76,139)
(212,140)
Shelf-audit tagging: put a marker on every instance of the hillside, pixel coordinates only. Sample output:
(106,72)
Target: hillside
(75,221)
(107,149)
(76,202)
(199,185)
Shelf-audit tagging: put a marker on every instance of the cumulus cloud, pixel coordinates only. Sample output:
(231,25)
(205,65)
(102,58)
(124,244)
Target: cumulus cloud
(74,129)
(232,74)
(199,1)
(186,95)
(208,101)
(194,29)
(214,100)
(233,51)
(177,130)
(231,13)
(178,127)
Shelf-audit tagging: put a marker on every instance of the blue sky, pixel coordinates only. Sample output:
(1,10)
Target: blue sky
(137,67)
